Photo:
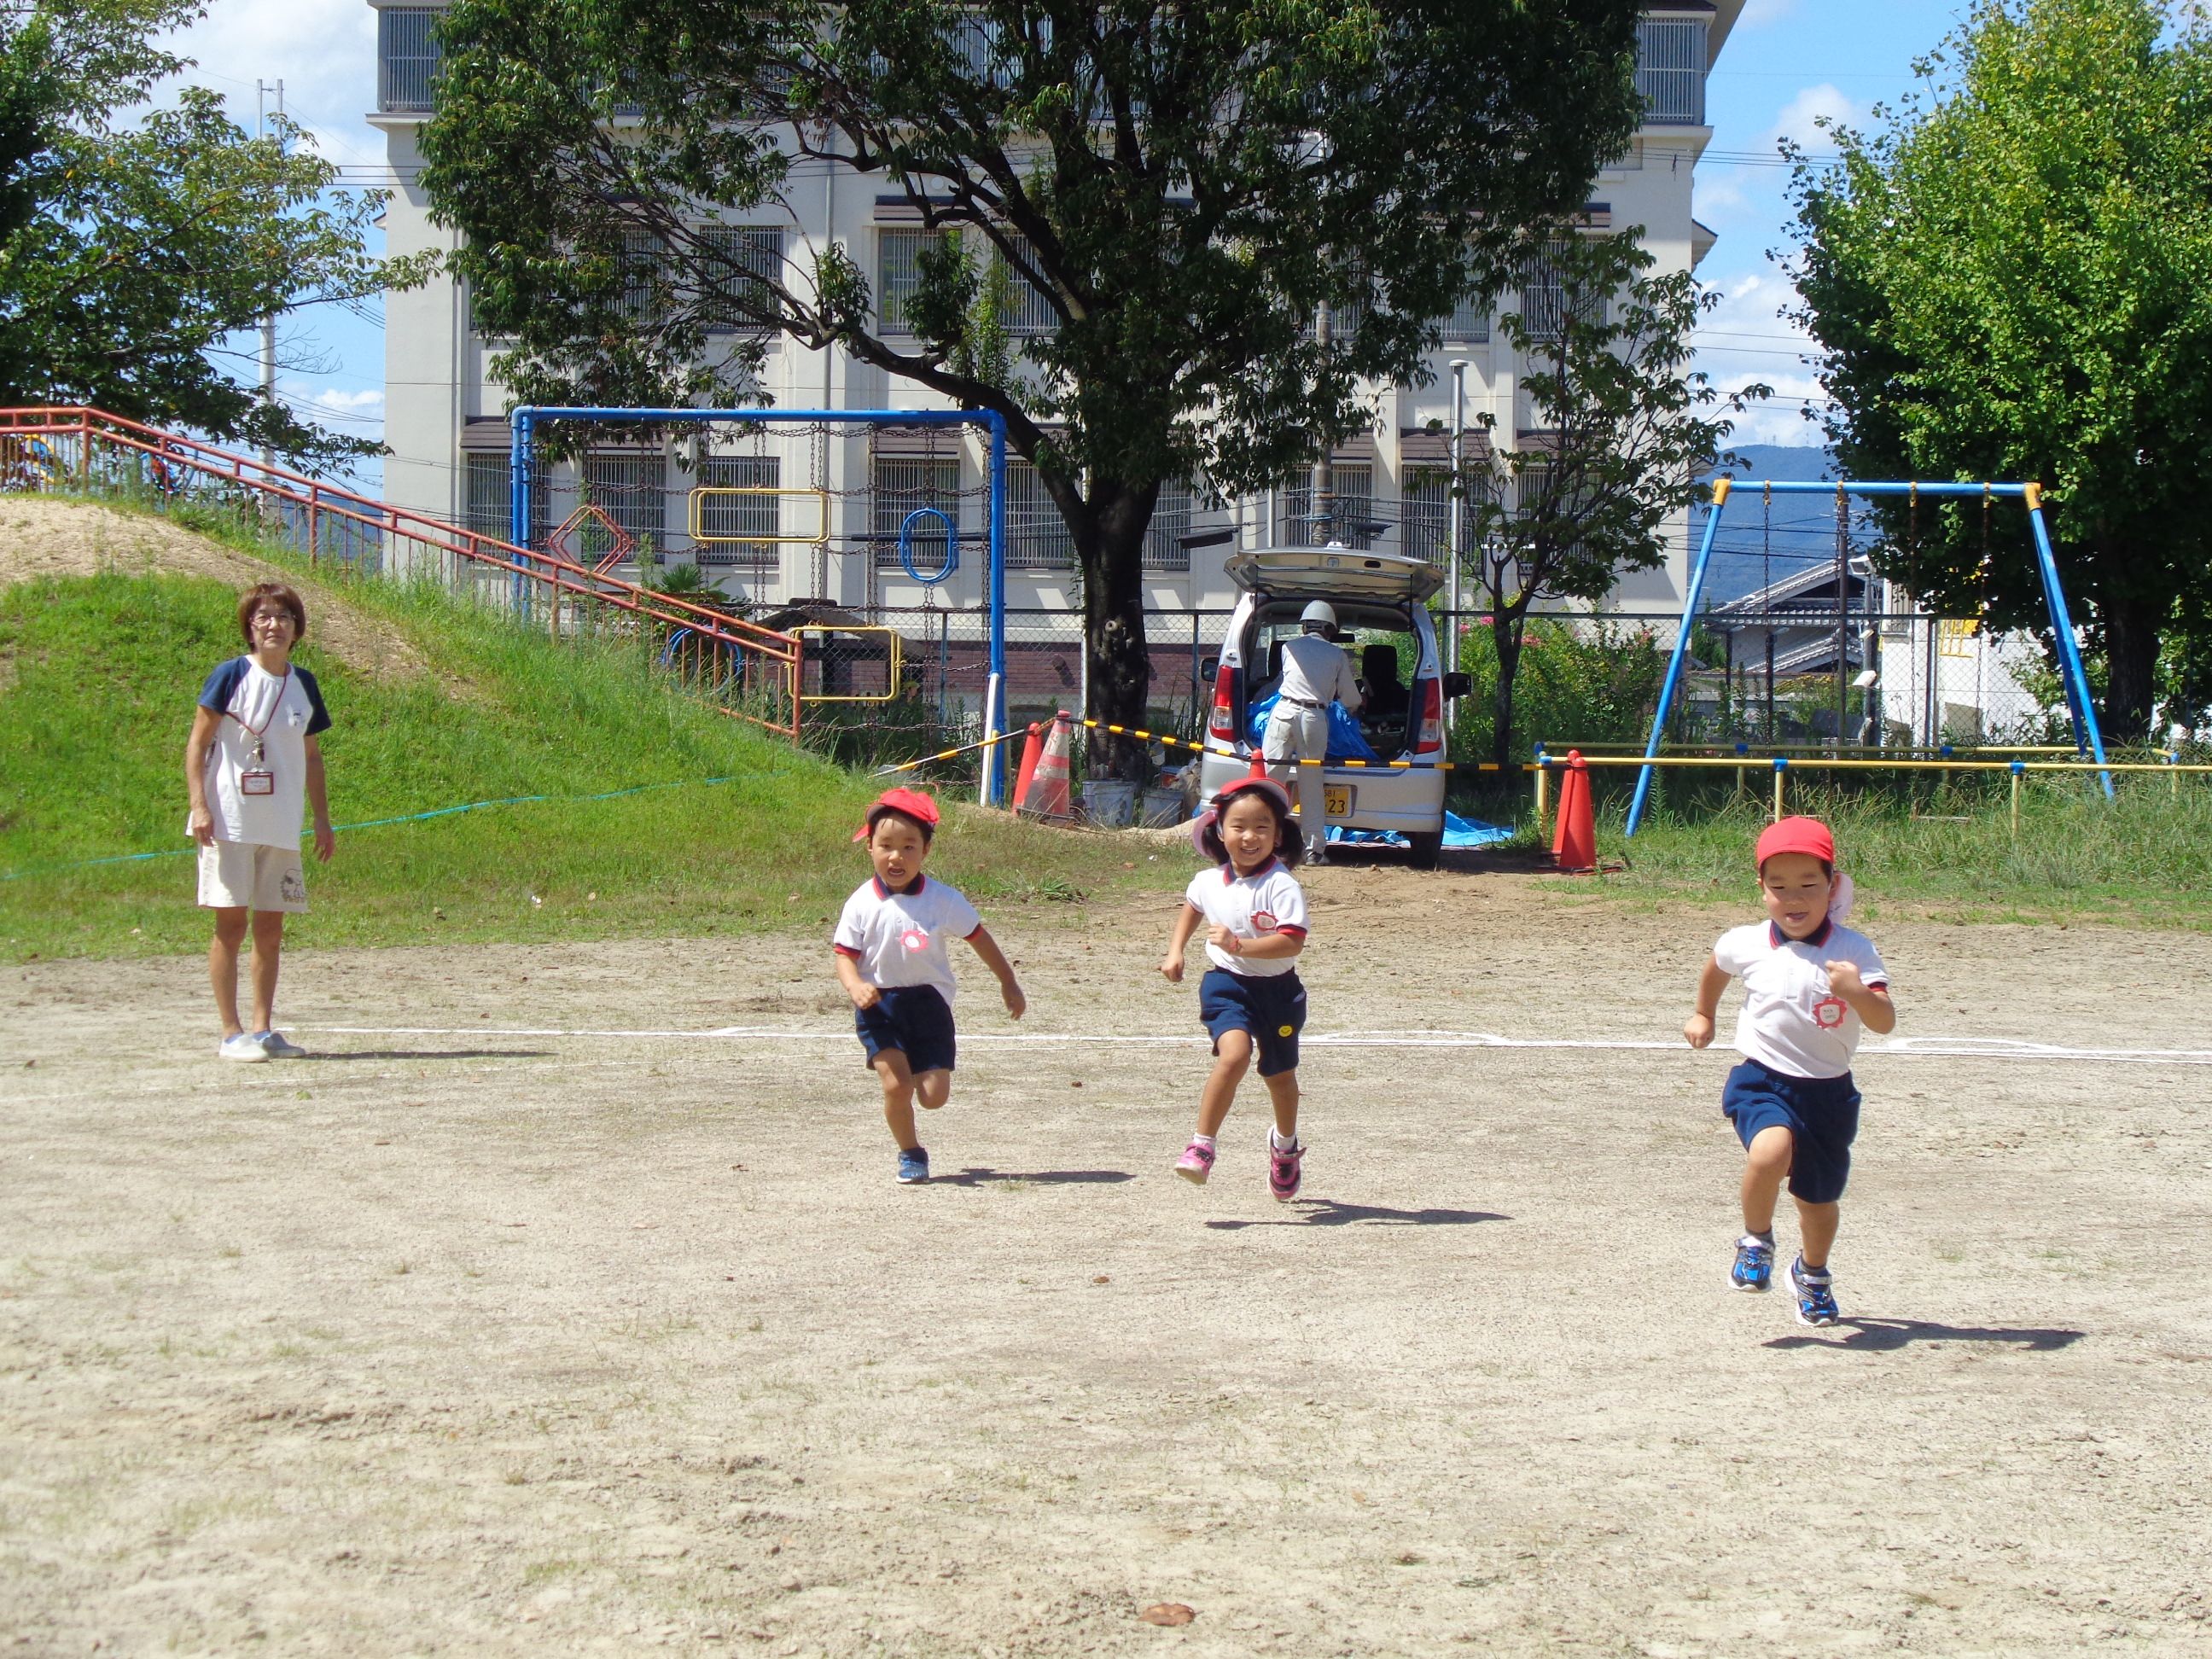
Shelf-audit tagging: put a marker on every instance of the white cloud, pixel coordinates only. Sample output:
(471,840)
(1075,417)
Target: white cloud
(1743,341)
(324,51)
(1799,119)
(1759,13)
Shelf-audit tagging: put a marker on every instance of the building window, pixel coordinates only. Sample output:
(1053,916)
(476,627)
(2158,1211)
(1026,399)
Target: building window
(901,485)
(726,517)
(1670,71)
(739,258)
(898,274)
(1029,313)
(1172,516)
(1425,530)
(1546,302)
(632,489)
(1037,538)
(407,57)
(642,255)
(488,499)
(1469,322)
(1351,508)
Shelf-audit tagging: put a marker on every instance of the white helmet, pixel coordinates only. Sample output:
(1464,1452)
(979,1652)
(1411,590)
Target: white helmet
(1320,613)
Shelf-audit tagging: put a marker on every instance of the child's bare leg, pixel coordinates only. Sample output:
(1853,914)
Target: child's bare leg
(1231,1055)
(1816,1231)
(898,1097)
(932,1089)
(1283,1091)
(268,945)
(222,966)
(1766,1164)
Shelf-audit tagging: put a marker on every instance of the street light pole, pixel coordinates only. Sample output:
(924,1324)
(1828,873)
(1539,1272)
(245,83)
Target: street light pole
(261,91)
(1457,510)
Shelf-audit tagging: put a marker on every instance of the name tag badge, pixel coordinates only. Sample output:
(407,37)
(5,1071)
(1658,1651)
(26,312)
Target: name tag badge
(257,783)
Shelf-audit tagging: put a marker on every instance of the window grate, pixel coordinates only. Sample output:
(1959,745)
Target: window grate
(741,515)
(1670,71)
(407,58)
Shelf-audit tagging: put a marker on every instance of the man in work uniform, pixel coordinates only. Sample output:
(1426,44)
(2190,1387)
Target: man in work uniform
(1316,672)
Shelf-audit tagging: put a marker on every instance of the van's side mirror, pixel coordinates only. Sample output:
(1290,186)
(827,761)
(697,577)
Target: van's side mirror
(1457,684)
(1209,668)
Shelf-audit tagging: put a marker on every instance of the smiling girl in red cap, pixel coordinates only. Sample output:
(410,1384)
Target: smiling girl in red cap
(893,963)
(1810,986)
(1250,1000)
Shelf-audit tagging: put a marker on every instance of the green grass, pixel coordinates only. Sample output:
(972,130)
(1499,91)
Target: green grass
(97,680)
(2144,860)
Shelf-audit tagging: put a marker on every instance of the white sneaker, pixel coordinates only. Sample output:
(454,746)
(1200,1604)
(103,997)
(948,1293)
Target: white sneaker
(273,1045)
(241,1047)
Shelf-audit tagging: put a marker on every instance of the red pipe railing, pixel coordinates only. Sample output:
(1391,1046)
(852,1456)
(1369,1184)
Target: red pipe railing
(750,646)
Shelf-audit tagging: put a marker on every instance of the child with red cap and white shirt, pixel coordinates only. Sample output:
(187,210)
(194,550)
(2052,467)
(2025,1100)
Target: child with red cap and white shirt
(893,963)
(1810,986)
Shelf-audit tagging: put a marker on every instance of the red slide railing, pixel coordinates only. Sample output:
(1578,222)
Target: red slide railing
(78,448)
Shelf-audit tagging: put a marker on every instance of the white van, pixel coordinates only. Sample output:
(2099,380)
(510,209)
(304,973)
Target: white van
(1403,718)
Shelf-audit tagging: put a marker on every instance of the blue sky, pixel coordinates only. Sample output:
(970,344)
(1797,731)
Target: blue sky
(1787,62)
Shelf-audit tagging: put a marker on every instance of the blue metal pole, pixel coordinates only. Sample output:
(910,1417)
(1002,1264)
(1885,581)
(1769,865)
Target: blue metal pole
(1721,487)
(520,459)
(2069,656)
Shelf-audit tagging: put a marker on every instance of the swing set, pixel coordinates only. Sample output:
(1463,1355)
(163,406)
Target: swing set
(2088,740)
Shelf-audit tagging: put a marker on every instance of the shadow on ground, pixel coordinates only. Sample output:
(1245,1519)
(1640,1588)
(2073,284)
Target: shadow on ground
(1888,1335)
(1327,1212)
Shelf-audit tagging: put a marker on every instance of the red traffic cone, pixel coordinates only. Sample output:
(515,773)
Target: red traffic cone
(1574,840)
(1032,746)
(1047,796)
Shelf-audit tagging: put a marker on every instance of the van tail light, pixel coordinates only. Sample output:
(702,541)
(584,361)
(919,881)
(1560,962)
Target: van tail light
(1223,724)
(1432,718)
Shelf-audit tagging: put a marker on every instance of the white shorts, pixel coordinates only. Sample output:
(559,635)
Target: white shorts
(242,875)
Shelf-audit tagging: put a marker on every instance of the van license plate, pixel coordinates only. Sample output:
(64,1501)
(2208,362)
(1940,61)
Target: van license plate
(1336,799)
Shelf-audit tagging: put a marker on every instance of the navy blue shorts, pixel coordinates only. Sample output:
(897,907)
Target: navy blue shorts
(1273,1010)
(914,1019)
(1821,1113)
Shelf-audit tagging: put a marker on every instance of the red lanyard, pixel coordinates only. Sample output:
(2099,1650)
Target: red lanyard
(283,686)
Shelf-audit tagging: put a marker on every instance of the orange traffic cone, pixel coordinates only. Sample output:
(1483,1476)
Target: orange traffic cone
(1032,746)
(1047,796)
(1574,840)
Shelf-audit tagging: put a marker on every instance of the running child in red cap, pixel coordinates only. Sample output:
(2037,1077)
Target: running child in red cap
(1250,999)
(893,963)
(1810,985)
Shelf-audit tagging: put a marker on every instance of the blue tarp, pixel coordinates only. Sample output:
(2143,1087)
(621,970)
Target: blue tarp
(1458,832)
(1346,741)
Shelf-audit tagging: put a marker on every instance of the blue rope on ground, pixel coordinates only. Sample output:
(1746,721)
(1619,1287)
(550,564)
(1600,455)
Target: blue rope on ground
(379,823)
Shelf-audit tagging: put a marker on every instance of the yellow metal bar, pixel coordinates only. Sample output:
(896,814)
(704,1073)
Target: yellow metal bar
(1778,772)
(1139,733)
(2017,774)
(896,661)
(820,497)
(1543,797)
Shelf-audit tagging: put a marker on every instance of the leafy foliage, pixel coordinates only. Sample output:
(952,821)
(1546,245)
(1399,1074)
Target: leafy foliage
(127,253)
(1177,187)
(2011,281)
(1598,685)
(1626,432)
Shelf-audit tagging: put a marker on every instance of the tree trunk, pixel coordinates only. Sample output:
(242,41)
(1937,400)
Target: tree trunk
(1111,542)
(1506,627)
(2132,636)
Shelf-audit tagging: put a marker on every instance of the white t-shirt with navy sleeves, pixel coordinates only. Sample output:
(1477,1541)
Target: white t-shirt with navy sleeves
(282,711)
(901,938)
(1268,901)
(1792,1020)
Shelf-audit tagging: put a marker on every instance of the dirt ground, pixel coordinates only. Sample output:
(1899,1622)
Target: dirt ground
(544,1310)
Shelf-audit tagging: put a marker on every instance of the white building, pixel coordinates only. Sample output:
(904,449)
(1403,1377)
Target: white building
(445,415)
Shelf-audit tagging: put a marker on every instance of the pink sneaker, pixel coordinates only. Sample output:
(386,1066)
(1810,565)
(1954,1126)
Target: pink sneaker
(1195,1164)
(1282,1169)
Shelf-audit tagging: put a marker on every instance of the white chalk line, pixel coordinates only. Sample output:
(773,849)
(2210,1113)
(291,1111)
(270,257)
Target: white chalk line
(1928,1047)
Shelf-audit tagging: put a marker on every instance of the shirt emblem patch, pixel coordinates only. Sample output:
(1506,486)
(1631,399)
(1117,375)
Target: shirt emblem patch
(915,940)
(1828,1013)
(1264,920)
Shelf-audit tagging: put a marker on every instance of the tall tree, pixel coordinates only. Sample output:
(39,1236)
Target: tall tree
(1623,432)
(1181,186)
(134,241)
(2012,280)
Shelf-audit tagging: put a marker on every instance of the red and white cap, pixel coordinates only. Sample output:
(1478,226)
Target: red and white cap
(1257,778)
(1812,836)
(910,802)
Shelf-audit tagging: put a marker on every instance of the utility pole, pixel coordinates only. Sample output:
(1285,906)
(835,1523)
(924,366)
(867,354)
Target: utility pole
(1324,479)
(1457,509)
(261,91)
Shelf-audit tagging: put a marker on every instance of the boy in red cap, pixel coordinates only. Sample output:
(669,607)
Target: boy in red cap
(1810,985)
(892,962)
(1251,1001)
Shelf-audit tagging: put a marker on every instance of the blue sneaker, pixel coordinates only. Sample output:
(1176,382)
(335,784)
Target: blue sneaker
(1816,1296)
(914,1166)
(1754,1264)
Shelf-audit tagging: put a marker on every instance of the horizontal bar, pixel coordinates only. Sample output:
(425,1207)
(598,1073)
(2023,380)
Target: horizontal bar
(1808,487)
(1780,763)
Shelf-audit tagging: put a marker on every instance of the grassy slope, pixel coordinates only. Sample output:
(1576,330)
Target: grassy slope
(96,697)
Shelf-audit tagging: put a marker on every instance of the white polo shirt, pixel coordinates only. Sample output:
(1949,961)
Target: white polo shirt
(901,938)
(270,715)
(1269,900)
(1791,1020)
